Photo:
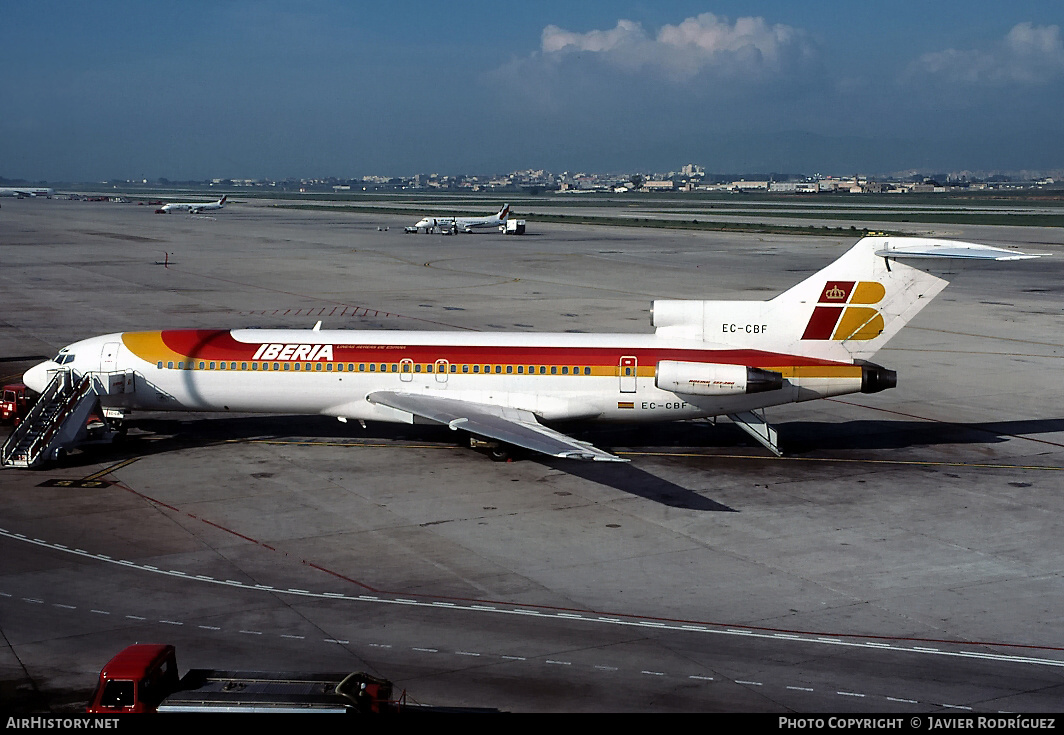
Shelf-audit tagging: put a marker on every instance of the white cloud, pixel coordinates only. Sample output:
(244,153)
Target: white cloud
(1028,54)
(747,48)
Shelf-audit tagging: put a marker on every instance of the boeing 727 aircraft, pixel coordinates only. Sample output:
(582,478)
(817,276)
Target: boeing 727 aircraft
(191,207)
(462,224)
(704,359)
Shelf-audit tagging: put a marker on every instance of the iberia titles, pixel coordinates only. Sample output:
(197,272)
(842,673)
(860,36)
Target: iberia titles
(294,352)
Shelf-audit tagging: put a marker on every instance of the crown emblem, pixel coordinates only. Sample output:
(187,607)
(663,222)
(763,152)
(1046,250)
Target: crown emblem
(835,293)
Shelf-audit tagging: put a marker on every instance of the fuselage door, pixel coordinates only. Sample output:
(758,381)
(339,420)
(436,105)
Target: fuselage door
(406,370)
(109,357)
(442,366)
(627,370)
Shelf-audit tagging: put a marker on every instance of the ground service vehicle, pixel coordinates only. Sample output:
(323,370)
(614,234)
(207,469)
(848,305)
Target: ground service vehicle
(14,403)
(143,678)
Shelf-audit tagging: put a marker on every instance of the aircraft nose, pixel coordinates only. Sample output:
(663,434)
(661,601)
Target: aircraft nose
(37,378)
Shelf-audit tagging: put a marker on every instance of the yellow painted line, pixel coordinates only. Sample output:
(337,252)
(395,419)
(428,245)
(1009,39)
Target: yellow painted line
(829,460)
(110,469)
(826,460)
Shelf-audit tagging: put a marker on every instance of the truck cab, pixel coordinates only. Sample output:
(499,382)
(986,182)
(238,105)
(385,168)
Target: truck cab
(135,680)
(14,403)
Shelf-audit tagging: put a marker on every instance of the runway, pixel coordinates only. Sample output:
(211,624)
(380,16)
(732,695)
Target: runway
(901,557)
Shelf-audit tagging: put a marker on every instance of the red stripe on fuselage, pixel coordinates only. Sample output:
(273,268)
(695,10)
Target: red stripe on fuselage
(203,344)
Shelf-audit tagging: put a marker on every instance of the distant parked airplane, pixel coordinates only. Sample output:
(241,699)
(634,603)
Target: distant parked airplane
(191,207)
(26,191)
(462,224)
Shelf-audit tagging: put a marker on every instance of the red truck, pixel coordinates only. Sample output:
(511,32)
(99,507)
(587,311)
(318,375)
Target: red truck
(143,678)
(15,403)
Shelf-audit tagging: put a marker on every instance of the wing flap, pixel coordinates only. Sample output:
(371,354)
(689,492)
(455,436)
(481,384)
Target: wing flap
(510,425)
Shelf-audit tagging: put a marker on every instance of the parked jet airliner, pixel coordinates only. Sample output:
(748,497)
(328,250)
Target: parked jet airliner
(26,191)
(191,207)
(704,359)
(463,224)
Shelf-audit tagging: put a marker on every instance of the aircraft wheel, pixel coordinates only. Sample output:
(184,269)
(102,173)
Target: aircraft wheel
(501,453)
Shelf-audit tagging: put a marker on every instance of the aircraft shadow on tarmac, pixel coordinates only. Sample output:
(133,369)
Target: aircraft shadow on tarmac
(153,435)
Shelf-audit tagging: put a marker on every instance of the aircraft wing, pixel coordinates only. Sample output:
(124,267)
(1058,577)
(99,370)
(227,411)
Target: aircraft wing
(510,425)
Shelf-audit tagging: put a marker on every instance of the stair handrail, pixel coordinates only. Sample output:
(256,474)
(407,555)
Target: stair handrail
(69,404)
(57,383)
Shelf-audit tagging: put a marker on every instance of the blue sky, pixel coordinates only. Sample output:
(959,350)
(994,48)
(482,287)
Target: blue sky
(247,89)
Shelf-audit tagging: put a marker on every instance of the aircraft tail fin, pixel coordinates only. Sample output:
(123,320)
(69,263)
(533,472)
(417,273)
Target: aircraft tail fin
(223,200)
(504,212)
(847,311)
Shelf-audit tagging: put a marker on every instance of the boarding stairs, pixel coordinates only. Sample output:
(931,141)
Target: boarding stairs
(56,423)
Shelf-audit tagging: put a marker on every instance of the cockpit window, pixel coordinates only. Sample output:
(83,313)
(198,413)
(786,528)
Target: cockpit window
(64,359)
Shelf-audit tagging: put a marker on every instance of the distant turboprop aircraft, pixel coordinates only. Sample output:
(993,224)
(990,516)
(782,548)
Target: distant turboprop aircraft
(704,359)
(462,224)
(191,207)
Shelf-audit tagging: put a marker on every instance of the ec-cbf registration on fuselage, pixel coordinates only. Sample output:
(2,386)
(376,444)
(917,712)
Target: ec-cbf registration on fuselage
(704,359)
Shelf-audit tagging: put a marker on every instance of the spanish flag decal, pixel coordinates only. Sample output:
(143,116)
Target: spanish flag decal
(845,311)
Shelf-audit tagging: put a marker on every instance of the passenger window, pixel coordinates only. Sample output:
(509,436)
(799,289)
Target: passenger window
(509,369)
(465,368)
(277,365)
(201,365)
(317,367)
(565,371)
(520,369)
(476,368)
(287,366)
(159,365)
(170,365)
(243,366)
(212,366)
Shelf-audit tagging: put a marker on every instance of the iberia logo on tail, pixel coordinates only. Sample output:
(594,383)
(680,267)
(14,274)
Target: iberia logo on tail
(844,311)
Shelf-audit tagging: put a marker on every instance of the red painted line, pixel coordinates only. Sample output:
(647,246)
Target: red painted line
(315,298)
(624,616)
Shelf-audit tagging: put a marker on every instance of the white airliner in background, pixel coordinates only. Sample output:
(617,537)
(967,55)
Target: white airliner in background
(462,224)
(704,359)
(191,207)
(26,191)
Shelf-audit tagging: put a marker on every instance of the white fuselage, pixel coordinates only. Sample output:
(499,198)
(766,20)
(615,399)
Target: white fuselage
(554,376)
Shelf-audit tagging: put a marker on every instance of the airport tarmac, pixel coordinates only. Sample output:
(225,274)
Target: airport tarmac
(903,556)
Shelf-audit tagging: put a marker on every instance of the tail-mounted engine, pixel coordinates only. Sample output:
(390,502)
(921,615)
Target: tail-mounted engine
(714,379)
